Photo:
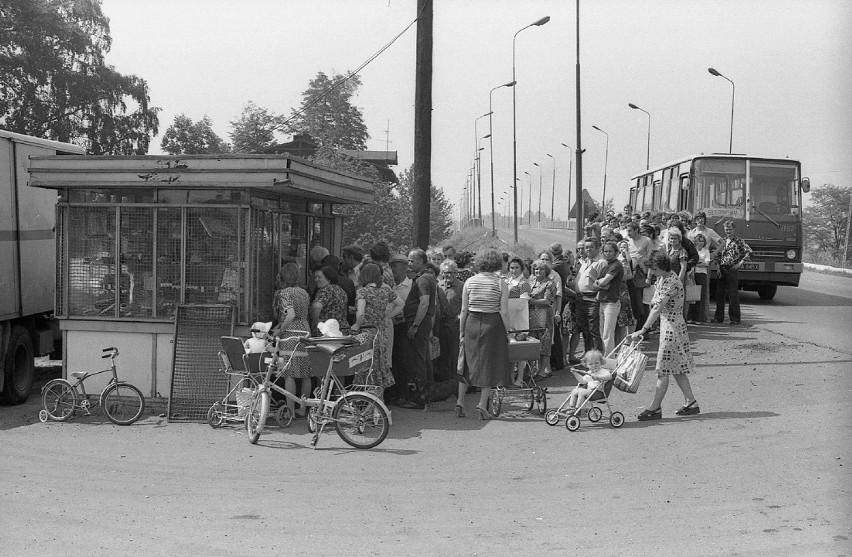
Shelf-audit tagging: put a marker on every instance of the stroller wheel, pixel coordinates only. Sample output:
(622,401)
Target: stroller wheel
(572,423)
(551,417)
(495,403)
(214,415)
(595,414)
(283,416)
(616,419)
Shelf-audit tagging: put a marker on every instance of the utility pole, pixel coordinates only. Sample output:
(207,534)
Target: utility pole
(848,229)
(422,126)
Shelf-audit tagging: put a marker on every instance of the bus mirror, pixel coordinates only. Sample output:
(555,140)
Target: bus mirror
(806,185)
(684,184)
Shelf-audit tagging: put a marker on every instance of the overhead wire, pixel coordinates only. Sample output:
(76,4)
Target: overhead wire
(349,75)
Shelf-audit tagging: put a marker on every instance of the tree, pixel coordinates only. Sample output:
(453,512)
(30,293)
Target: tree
(825,221)
(327,114)
(389,217)
(187,138)
(55,82)
(255,130)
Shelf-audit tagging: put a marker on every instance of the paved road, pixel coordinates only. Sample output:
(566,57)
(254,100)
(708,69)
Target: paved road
(763,470)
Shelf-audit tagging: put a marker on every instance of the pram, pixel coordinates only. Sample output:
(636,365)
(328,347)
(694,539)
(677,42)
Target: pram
(630,366)
(244,372)
(524,354)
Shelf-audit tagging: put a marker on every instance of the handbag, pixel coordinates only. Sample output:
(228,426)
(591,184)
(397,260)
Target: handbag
(434,347)
(693,291)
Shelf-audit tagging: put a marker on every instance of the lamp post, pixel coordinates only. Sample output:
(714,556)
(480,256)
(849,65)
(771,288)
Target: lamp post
(479,177)
(552,189)
(648,156)
(479,162)
(606,159)
(539,193)
(529,199)
(717,74)
(491,149)
(537,23)
(569,182)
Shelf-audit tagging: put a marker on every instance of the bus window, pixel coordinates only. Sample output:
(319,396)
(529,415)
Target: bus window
(658,192)
(724,182)
(771,190)
(648,202)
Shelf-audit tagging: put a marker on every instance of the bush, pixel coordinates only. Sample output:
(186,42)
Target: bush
(825,258)
(476,238)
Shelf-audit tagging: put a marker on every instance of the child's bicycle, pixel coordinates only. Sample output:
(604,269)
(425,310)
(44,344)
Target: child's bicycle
(123,403)
(360,417)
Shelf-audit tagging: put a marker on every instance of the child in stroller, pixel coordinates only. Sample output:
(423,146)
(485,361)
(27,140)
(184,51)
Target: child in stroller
(599,371)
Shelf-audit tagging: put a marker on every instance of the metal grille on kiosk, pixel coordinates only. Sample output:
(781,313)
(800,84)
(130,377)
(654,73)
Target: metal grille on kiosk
(196,382)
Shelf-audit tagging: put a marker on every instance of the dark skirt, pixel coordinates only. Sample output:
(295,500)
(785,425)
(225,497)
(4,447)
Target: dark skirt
(486,350)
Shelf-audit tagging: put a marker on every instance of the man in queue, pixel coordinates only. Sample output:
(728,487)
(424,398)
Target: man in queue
(588,307)
(418,312)
(730,256)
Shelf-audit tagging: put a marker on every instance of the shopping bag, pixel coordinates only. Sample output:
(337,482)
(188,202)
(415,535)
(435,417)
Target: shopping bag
(693,291)
(519,314)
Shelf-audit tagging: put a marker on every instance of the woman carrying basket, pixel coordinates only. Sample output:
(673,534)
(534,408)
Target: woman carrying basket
(674,356)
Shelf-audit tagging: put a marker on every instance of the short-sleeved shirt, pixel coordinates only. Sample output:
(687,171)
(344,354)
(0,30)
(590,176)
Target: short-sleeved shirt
(613,293)
(423,284)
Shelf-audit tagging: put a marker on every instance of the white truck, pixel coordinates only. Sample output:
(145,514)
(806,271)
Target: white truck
(27,264)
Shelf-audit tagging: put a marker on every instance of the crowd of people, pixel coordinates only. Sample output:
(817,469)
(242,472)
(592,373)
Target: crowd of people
(440,315)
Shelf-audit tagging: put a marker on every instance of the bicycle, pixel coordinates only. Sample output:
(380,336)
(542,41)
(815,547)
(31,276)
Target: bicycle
(360,417)
(123,403)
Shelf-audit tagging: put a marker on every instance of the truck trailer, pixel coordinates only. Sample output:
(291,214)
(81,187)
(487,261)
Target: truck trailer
(27,264)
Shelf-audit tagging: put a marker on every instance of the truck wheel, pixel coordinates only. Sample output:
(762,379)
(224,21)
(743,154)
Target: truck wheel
(767,292)
(18,367)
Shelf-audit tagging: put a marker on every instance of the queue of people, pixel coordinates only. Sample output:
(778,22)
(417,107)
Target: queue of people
(438,316)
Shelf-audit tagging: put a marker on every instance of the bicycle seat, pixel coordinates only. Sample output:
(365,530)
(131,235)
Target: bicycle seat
(79,374)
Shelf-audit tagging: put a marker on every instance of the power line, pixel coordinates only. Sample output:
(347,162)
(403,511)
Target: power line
(349,76)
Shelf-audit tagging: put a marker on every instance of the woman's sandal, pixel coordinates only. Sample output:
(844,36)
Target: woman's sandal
(460,411)
(651,415)
(688,409)
(483,413)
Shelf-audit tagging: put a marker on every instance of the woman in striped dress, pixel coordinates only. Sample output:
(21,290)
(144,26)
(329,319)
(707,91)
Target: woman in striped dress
(483,318)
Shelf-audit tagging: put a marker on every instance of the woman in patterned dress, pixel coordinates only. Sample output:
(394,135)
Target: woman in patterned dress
(330,301)
(542,298)
(290,310)
(674,356)
(515,280)
(375,303)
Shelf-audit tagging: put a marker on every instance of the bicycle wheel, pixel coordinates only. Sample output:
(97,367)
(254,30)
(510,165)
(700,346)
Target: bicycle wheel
(256,416)
(214,415)
(360,421)
(59,399)
(123,403)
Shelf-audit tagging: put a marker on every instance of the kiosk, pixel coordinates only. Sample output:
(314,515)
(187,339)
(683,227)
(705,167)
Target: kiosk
(137,236)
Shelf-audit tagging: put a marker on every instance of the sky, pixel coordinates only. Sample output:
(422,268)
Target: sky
(789,60)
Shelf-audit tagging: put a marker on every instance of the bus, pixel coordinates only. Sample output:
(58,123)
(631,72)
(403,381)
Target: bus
(763,196)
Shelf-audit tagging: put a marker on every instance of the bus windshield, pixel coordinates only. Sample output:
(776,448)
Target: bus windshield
(774,189)
(720,187)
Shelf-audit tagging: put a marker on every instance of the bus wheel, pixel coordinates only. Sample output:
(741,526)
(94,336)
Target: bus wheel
(767,292)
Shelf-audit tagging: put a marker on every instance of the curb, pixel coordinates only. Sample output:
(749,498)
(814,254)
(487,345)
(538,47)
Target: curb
(827,270)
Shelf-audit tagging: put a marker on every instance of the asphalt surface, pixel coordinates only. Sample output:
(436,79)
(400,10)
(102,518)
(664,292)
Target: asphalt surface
(763,470)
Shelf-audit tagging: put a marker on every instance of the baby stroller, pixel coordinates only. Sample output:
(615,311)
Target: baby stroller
(629,368)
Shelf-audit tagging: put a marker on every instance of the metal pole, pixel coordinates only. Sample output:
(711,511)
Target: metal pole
(540,22)
(733,91)
(569,184)
(539,194)
(552,190)
(606,159)
(579,151)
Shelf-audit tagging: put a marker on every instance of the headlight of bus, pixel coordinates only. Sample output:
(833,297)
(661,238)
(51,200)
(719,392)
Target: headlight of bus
(791,254)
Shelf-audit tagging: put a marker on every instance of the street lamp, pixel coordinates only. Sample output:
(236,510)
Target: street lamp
(537,23)
(539,192)
(478,164)
(717,74)
(569,182)
(552,189)
(648,156)
(491,148)
(478,171)
(606,158)
(529,200)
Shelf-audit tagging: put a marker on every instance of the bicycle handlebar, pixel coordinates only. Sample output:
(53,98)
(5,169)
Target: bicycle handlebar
(113,352)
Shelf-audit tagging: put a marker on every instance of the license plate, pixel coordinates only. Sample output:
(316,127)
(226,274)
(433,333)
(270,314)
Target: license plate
(752,266)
